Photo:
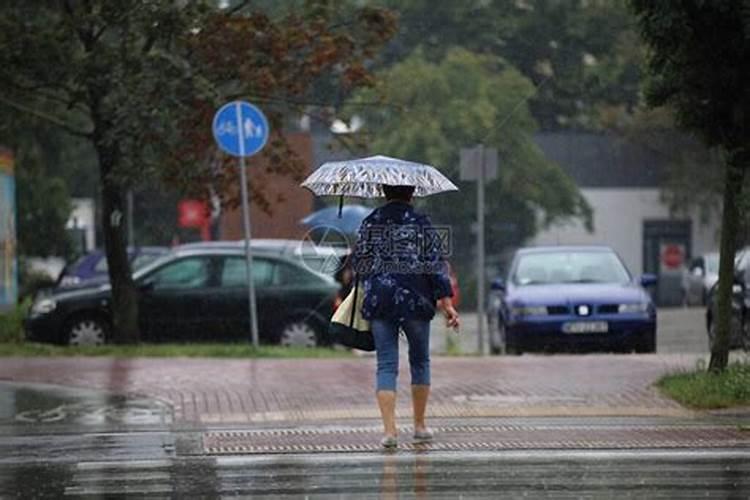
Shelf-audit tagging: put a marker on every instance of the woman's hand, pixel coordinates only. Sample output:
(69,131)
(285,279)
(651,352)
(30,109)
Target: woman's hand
(451,315)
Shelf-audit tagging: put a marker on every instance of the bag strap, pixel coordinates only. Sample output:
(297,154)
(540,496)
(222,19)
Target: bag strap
(354,305)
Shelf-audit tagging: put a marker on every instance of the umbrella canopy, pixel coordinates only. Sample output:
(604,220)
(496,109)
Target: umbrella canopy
(363,177)
(351,218)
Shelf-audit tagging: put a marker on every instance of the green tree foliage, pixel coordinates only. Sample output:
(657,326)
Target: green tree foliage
(690,180)
(581,55)
(431,110)
(42,195)
(699,64)
(140,79)
(43,208)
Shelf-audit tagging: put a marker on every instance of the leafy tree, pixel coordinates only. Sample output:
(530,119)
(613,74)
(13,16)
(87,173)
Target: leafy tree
(690,181)
(43,208)
(140,79)
(42,197)
(580,55)
(431,110)
(699,63)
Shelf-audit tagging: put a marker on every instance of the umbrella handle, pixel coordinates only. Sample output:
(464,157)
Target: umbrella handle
(341,204)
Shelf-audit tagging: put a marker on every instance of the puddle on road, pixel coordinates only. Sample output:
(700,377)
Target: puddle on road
(33,404)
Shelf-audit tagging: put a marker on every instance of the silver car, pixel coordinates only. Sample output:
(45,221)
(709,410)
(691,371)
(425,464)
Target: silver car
(698,279)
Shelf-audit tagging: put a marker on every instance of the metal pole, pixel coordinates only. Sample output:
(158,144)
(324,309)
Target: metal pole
(480,251)
(246,223)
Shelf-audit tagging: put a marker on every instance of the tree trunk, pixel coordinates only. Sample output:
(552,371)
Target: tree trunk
(124,303)
(733,181)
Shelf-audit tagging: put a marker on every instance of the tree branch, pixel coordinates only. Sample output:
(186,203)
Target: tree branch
(45,116)
(85,36)
(238,7)
(48,91)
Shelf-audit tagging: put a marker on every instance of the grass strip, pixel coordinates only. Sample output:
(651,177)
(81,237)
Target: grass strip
(704,390)
(197,350)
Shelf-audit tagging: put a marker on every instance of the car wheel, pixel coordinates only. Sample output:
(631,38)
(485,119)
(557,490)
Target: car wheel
(745,337)
(299,333)
(497,338)
(646,344)
(87,330)
(684,300)
(513,350)
(711,334)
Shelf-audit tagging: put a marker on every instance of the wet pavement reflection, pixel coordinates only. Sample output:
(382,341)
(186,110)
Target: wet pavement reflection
(539,474)
(30,404)
(58,443)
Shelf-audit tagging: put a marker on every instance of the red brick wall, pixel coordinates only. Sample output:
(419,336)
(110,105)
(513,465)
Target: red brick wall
(289,202)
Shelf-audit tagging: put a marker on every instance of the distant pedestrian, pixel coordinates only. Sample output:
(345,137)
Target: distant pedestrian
(399,260)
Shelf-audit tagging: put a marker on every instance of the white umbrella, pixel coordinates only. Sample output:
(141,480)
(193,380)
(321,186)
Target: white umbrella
(364,177)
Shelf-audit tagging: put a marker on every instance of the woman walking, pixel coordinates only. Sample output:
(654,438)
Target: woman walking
(399,260)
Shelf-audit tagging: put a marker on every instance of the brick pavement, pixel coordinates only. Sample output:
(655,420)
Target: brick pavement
(212,391)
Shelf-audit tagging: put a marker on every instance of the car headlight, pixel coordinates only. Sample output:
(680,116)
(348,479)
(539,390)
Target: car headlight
(529,311)
(638,307)
(70,281)
(43,306)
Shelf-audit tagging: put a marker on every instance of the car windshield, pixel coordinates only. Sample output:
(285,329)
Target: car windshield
(157,262)
(569,267)
(144,259)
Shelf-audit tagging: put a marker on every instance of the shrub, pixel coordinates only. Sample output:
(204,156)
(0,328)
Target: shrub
(11,324)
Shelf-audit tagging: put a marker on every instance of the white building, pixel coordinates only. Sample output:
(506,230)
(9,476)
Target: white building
(621,181)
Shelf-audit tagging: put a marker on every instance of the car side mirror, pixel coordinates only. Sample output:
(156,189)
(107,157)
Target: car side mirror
(649,280)
(498,284)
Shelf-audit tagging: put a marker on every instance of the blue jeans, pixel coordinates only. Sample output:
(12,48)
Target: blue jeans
(385,333)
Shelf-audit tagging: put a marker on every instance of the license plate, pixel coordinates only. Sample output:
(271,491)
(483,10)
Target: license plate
(585,327)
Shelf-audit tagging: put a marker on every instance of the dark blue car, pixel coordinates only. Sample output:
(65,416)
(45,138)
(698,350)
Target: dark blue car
(92,268)
(571,297)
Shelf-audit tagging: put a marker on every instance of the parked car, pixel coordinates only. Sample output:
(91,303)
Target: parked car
(698,279)
(197,294)
(564,297)
(740,323)
(92,268)
(321,258)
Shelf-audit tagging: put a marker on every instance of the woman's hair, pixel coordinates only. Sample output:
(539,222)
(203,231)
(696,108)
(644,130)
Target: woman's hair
(398,193)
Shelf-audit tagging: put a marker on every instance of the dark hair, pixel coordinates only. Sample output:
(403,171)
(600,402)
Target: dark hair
(399,193)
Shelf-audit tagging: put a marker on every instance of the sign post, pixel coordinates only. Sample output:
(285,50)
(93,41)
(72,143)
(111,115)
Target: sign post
(241,130)
(480,164)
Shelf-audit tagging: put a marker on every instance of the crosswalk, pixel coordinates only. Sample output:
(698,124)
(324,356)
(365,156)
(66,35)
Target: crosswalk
(512,474)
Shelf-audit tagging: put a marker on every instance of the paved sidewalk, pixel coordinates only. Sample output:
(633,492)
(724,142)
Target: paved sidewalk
(221,391)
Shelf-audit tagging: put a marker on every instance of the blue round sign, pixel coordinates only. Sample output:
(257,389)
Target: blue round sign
(240,128)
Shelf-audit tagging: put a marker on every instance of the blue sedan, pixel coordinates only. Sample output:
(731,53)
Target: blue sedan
(566,297)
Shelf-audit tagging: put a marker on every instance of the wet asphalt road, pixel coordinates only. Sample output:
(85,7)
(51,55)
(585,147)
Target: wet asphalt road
(117,458)
(530,474)
(71,443)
